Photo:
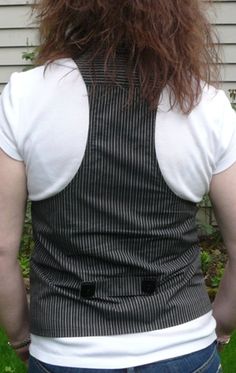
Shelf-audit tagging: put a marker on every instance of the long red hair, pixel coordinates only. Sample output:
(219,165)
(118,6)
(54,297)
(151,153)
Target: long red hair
(169,42)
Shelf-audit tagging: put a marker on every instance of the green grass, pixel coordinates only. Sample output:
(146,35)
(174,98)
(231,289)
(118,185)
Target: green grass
(9,362)
(228,356)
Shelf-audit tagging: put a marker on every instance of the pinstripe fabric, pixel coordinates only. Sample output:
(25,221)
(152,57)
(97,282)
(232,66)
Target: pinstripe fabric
(116,251)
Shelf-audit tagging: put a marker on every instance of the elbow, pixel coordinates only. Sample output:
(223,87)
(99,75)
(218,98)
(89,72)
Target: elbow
(8,254)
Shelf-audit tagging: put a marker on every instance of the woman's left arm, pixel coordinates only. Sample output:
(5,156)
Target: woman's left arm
(13,301)
(223,197)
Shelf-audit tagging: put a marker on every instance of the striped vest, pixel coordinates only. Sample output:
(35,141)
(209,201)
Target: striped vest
(116,251)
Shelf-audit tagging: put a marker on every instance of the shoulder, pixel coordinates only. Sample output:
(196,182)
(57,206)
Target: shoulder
(46,77)
(44,89)
(216,110)
(216,115)
(213,118)
(202,143)
(207,118)
(213,101)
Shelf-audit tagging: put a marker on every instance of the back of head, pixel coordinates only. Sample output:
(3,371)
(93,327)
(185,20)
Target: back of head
(168,42)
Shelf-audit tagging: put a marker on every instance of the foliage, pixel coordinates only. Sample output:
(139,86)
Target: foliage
(30,56)
(213,254)
(215,280)
(205,260)
(208,227)
(26,241)
(24,263)
(213,260)
(26,244)
(232,94)
(205,226)
(213,263)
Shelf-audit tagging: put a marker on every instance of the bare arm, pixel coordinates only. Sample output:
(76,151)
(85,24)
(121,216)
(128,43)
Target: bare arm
(223,197)
(13,301)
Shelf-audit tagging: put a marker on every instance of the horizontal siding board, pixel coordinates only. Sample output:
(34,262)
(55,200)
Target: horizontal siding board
(227,85)
(19,38)
(15,2)
(223,13)
(228,53)
(16,17)
(228,73)
(227,33)
(13,56)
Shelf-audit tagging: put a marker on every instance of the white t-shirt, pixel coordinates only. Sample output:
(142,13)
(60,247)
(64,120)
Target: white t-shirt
(44,121)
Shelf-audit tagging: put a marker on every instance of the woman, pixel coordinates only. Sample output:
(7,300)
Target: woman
(115,137)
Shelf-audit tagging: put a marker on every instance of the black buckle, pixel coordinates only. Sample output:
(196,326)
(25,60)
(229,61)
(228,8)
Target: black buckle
(87,289)
(149,286)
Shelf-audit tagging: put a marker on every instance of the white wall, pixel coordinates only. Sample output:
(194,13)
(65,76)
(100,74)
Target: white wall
(18,34)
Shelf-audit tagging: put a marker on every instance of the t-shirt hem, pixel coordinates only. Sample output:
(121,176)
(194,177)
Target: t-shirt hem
(123,362)
(11,153)
(227,164)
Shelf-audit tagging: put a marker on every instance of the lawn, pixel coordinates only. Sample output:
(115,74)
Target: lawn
(228,357)
(9,363)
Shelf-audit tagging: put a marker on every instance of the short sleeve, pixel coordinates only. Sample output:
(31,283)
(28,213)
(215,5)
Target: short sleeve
(226,150)
(9,119)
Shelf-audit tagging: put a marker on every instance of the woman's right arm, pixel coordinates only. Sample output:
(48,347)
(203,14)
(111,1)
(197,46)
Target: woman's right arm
(13,301)
(223,197)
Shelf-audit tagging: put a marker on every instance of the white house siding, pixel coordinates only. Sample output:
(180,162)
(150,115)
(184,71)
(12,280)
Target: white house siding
(18,34)
(225,21)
